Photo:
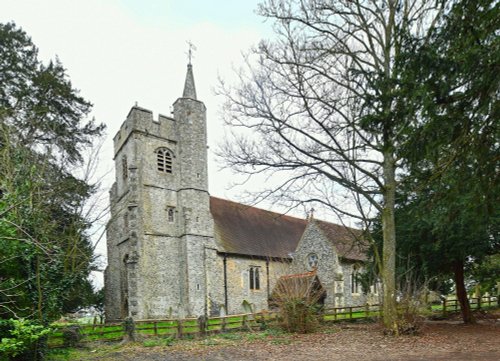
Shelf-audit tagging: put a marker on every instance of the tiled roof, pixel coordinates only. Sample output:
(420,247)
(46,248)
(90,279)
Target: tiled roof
(250,231)
(253,231)
(347,241)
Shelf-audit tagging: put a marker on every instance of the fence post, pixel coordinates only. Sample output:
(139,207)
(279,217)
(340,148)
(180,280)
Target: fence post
(223,325)
(129,328)
(202,325)
(155,325)
(479,302)
(179,328)
(367,310)
(444,307)
(262,321)
(335,313)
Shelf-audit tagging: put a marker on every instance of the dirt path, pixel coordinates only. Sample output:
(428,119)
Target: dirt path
(438,341)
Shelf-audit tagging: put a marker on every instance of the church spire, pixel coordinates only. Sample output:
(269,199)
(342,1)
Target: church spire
(189,88)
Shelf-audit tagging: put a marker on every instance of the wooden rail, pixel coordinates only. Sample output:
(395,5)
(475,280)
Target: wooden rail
(195,327)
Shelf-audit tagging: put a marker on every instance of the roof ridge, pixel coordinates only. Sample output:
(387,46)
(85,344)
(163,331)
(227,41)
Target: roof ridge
(301,275)
(336,224)
(284,215)
(261,209)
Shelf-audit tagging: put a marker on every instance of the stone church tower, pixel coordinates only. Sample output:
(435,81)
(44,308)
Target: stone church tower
(161,229)
(174,251)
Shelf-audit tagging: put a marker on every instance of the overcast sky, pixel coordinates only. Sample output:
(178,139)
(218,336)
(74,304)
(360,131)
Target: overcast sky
(119,52)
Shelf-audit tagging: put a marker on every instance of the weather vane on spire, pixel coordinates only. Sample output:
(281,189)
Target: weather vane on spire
(311,213)
(190,51)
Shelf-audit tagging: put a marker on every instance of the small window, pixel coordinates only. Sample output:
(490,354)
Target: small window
(254,278)
(164,160)
(312,261)
(124,167)
(355,283)
(125,223)
(170,214)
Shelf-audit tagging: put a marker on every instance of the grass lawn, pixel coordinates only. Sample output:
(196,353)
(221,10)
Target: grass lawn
(98,350)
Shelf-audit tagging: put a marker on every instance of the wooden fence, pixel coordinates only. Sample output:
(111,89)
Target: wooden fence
(195,327)
(174,328)
(475,303)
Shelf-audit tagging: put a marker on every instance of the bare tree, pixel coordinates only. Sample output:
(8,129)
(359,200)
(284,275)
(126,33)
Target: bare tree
(317,109)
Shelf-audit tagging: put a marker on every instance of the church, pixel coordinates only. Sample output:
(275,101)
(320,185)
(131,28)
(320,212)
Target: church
(176,251)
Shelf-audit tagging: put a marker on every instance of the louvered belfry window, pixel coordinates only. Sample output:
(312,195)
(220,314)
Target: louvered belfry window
(164,160)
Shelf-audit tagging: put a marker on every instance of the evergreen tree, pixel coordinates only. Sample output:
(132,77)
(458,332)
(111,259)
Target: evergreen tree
(46,254)
(449,214)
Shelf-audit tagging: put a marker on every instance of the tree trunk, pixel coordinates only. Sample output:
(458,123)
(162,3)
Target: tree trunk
(388,270)
(458,271)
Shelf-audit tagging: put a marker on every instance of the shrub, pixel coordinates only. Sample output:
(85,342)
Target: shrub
(299,315)
(412,306)
(20,339)
(299,300)
(410,316)
(72,336)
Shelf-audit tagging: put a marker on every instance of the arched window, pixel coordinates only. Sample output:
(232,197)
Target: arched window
(254,278)
(355,282)
(164,160)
